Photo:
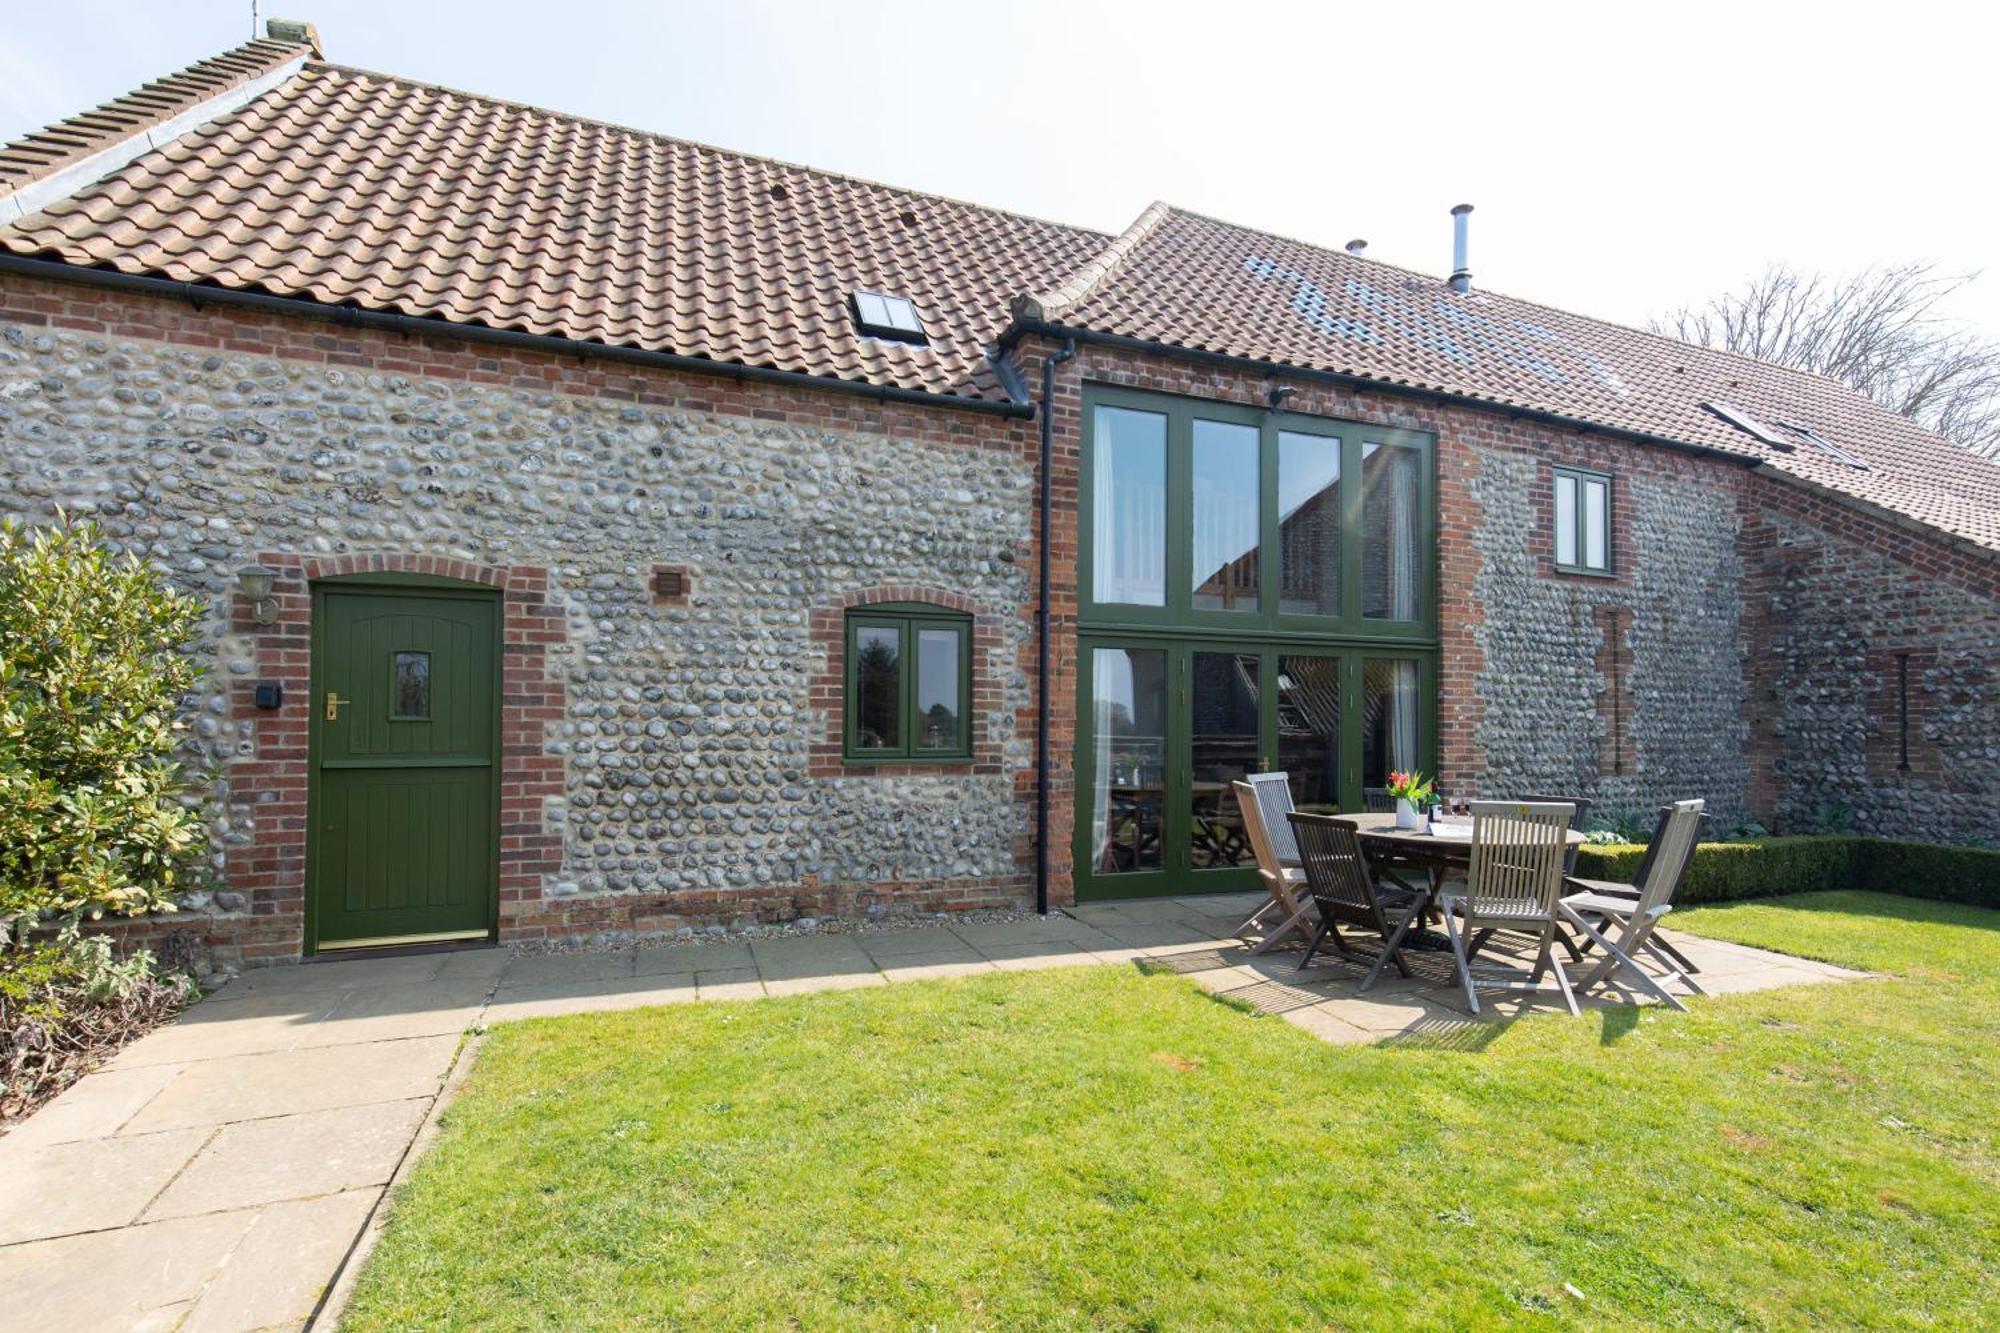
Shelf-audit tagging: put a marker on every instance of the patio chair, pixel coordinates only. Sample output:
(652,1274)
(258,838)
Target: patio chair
(1345,890)
(1281,874)
(1622,921)
(1575,821)
(1512,882)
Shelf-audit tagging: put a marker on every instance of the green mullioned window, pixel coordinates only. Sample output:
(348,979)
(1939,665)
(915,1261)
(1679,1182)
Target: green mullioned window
(909,683)
(1583,521)
(1231,518)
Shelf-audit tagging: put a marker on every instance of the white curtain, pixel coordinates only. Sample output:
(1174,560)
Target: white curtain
(1110,681)
(1403,715)
(1404,601)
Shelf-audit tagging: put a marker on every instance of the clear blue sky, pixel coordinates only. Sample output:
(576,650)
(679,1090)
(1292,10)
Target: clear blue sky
(1622,159)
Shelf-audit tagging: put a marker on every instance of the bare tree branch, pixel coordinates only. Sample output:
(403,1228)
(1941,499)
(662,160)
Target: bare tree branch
(1878,331)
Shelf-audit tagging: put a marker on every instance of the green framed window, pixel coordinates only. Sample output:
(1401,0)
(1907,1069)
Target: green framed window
(909,684)
(1234,518)
(1582,521)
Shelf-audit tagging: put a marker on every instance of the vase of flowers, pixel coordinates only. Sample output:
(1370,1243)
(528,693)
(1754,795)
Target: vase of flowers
(1412,792)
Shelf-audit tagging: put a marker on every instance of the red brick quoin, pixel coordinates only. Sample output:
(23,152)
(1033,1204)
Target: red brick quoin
(271,782)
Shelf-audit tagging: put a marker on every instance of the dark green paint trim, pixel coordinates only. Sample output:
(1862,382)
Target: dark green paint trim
(906,619)
(415,587)
(1609,570)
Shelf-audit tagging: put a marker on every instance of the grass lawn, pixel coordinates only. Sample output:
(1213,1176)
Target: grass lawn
(1093,1147)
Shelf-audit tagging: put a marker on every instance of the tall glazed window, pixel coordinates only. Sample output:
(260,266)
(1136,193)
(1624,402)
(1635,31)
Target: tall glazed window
(1227,537)
(1129,507)
(1392,558)
(1310,524)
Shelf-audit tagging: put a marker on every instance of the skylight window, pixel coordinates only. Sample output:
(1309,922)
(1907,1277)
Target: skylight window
(1818,441)
(884,316)
(1749,425)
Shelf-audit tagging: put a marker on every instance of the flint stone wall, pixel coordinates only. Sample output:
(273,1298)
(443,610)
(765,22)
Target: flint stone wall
(688,726)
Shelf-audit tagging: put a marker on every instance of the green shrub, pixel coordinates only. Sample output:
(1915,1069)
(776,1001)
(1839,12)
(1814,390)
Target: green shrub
(93,668)
(1925,870)
(1768,867)
(1725,871)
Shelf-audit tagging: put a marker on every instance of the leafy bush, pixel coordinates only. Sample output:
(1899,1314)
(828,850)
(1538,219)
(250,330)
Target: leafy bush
(1621,826)
(93,668)
(67,1001)
(1768,867)
(1925,870)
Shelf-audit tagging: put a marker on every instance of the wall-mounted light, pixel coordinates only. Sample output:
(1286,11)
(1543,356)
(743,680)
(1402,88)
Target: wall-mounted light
(1279,394)
(255,585)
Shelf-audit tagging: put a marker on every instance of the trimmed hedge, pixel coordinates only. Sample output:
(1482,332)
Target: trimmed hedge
(1768,867)
(1968,875)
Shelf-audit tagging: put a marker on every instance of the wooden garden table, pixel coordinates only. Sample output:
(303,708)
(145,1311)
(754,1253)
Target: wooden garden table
(1435,854)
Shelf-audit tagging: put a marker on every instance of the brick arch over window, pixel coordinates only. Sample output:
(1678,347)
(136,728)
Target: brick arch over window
(827,691)
(270,782)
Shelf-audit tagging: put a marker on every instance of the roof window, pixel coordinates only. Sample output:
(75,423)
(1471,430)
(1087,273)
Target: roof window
(1749,425)
(1820,442)
(884,316)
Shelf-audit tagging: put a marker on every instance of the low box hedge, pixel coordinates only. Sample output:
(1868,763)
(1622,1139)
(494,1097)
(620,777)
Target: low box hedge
(1968,875)
(1769,867)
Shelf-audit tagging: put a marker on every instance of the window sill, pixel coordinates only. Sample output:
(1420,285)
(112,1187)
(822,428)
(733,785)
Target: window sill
(1579,572)
(905,760)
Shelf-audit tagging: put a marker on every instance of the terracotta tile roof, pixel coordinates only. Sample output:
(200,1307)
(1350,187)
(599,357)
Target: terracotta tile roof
(1191,281)
(67,142)
(349,187)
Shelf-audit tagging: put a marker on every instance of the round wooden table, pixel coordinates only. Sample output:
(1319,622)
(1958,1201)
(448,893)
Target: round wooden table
(1420,843)
(1420,849)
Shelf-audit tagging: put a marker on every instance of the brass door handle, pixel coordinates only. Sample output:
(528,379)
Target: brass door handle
(333,703)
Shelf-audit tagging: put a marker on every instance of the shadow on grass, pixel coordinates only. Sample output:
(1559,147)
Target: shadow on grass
(1468,1036)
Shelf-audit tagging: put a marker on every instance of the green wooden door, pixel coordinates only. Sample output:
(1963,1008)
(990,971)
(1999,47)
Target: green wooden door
(404,822)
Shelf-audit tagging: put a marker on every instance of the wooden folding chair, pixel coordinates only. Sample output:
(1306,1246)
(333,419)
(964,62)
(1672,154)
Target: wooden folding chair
(1623,925)
(1511,884)
(1345,890)
(1281,873)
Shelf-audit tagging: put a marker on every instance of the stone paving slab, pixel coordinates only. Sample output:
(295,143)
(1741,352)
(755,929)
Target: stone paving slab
(215,1175)
(249,1087)
(140,1278)
(88,1184)
(277,1272)
(303,1156)
(93,1108)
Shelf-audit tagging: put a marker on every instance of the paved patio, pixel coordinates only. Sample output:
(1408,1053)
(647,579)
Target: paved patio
(218,1174)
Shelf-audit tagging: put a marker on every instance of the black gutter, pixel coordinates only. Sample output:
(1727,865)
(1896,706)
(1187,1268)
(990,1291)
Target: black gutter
(1281,369)
(1046,509)
(201,294)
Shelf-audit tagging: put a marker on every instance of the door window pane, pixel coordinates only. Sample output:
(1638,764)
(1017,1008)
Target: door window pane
(1226,508)
(1223,697)
(1309,728)
(1129,510)
(878,673)
(938,676)
(410,698)
(1309,524)
(1391,713)
(1565,519)
(1128,758)
(1392,567)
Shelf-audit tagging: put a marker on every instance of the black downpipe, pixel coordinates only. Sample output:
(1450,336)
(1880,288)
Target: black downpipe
(1046,508)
